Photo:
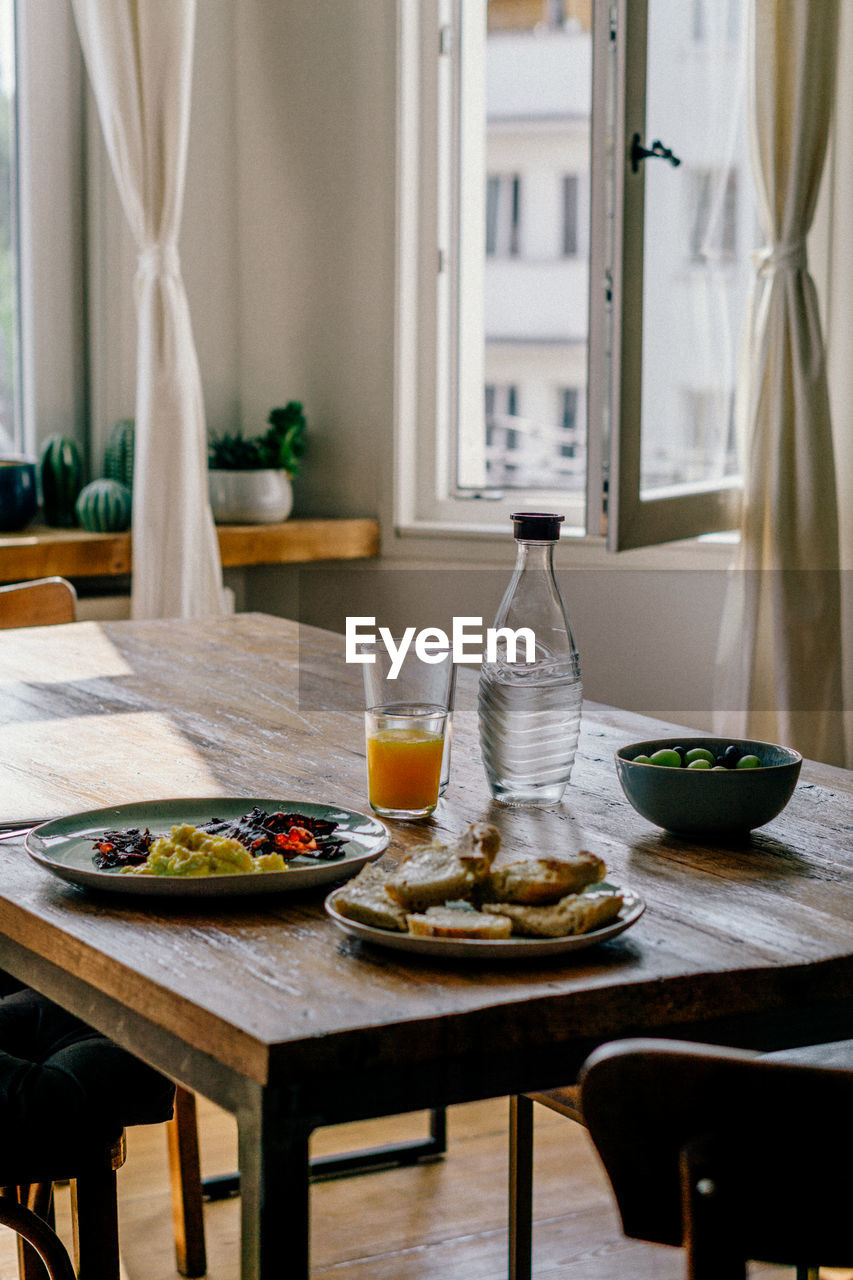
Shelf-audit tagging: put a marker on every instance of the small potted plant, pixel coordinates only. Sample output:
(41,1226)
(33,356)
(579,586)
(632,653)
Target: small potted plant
(249,479)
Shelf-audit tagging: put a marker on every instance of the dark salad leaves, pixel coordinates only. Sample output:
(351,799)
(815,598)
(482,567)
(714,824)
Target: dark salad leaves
(263,832)
(290,834)
(122,848)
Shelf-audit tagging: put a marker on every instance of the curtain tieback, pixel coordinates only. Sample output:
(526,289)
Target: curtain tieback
(159,260)
(784,255)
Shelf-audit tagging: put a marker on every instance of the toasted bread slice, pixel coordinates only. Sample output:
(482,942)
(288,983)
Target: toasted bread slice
(479,845)
(541,881)
(442,873)
(576,913)
(366,900)
(454,922)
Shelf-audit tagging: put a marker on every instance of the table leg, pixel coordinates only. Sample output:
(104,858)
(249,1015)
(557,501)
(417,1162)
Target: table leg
(520,1187)
(275,1216)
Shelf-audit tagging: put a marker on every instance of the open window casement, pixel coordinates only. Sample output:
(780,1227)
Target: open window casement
(684,224)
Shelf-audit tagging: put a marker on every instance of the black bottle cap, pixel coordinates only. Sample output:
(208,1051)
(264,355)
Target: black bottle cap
(536,526)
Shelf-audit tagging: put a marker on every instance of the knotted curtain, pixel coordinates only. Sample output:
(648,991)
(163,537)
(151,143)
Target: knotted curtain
(139,56)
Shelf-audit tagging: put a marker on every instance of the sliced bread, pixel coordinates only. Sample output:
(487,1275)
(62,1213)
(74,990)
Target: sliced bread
(575,913)
(541,881)
(444,873)
(455,922)
(366,900)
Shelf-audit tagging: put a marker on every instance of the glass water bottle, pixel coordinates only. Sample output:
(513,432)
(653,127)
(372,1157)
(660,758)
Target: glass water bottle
(529,712)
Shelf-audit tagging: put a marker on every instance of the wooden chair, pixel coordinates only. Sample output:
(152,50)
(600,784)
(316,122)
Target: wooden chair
(566,1101)
(37,604)
(729,1154)
(66,1094)
(29,1199)
(186,1185)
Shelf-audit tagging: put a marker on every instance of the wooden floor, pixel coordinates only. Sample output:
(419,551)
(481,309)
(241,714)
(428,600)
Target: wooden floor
(445,1219)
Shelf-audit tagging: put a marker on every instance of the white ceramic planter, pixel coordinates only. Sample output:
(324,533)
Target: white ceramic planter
(250,497)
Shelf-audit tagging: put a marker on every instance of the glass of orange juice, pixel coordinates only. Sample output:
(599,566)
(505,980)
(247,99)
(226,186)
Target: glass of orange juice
(412,679)
(405,744)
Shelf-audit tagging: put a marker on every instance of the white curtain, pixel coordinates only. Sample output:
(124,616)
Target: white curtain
(779,660)
(139,56)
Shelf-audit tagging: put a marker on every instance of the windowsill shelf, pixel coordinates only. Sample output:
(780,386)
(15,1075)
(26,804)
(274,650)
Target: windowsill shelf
(40,552)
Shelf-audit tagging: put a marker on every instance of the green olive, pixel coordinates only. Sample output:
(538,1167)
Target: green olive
(719,768)
(671,759)
(641,760)
(699,753)
(699,763)
(748,762)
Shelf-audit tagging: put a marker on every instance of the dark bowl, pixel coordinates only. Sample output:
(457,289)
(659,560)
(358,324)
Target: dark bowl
(18,498)
(702,802)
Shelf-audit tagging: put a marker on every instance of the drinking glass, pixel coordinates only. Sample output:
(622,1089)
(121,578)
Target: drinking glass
(405,742)
(417,682)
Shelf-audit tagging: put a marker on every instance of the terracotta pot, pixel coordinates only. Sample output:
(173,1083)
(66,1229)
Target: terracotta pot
(250,497)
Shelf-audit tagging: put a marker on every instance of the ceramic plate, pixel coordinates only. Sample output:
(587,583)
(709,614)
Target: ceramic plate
(492,949)
(65,847)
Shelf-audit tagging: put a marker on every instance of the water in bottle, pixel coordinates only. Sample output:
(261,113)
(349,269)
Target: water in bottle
(529,711)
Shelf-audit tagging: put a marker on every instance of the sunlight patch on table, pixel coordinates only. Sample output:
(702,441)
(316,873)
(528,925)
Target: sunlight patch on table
(85,654)
(101,760)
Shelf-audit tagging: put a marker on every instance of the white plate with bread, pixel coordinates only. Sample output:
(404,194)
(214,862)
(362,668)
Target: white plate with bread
(456,901)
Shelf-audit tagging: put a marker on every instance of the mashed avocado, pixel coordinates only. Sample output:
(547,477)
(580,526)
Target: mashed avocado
(190,852)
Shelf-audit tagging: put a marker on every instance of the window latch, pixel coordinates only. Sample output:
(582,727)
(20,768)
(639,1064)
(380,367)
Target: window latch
(657,151)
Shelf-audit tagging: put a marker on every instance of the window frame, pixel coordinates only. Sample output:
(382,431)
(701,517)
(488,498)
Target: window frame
(426,498)
(632,520)
(430,392)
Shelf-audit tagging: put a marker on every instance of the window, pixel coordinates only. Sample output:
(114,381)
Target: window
(571,439)
(712,215)
(501,409)
(587,287)
(713,19)
(711,444)
(42,226)
(570,215)
(503,215)
(502,434)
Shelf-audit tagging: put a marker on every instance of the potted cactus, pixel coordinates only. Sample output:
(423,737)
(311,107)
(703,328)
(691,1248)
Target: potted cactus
(61,475)
(249,479)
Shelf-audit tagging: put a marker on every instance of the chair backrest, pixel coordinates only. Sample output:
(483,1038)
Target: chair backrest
(728,1153)
(37,604)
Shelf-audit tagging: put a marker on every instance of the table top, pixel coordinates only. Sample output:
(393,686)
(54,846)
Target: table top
(95,714)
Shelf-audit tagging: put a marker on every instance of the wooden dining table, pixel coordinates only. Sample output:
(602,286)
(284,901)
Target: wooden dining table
(263,1005)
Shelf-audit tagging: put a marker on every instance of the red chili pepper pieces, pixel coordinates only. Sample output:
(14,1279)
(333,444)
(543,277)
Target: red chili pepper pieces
(295,838)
